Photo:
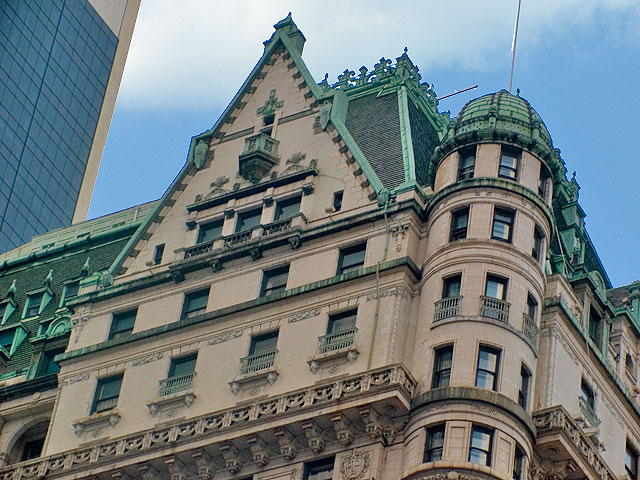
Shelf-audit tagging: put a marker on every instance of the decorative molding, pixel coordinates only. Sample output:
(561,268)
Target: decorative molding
(296,317)
(342,426)
(355,465)
(285,441)
(557,419)
(326,393)
(80,377)
(395,291)
(225,337)
(152,357)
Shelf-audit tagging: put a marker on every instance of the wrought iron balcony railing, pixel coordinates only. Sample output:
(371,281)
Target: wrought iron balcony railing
(494,308)
(447,307)
(590,418)
(257,362)
(177,384)
(336,341)
(530,329)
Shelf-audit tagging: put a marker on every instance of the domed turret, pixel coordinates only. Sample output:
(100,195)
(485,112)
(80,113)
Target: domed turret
(500,118)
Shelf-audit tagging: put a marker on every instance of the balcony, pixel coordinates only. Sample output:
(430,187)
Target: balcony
(336,341)
(530,329)
(588,415)
(237,238)
(172,385)
(258,362)
(447,307)
(277,227)
(494,308)
(259,156)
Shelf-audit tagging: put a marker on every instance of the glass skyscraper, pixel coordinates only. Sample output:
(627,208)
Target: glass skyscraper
(60,67)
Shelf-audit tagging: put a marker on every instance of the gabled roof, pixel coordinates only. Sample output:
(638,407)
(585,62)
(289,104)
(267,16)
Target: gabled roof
(286,37)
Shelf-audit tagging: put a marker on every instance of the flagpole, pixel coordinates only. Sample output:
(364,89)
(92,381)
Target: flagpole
(513,45)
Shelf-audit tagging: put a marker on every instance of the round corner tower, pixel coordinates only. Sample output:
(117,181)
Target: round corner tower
(488,226)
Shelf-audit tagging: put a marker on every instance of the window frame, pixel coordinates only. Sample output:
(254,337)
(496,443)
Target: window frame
(189,297)
(284,203)
(519,457)
(114,330)
(492,277)
(449,281)
(466,171)
(590,398)
(456,232)
(437,377)
(206,227)
(268,275)
(255,339)
(359,248)
(158,253)
(320,466)
(175,361)
(503,212)
(251,213)
(429,448)
(488,453)
(65,290)
(44,301)
(543,182)
(336,317)
(537,248)
(595,327)
(532,307)
(525,386)
(513,171)
(495,374)
(100,385)
(338,198)
(631,452)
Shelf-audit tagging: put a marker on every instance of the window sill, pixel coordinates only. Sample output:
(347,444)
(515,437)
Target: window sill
(349,354)
(268,375)
(108,418)
(176,400)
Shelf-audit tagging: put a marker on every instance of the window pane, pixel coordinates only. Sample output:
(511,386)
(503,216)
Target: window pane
(195,303)
(264,343)
(182,366)
(495,288)
(209,231)
(248,220)
(351,259)
(287,209)
(451,287)
(342,322)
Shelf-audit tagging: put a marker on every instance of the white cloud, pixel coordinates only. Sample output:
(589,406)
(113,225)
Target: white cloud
(196,53)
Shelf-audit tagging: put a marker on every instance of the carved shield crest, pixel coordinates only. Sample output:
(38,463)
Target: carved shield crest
(356,465)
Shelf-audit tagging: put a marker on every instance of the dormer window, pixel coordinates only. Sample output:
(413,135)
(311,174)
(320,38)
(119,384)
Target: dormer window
(7,307)
(70,291)
(6,340)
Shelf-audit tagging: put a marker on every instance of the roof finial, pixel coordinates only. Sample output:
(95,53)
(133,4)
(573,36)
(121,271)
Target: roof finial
(49,278)
(405,50)
(85,268)
(517,92)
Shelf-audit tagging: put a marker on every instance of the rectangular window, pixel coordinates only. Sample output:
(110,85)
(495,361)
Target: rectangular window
(488,366)
(435,444)
(532,307)
(107,393)
(480,447)
(182,366)
(341,322)
(263,343)
(523,392)
(319,470)
(351,259)
(459,224)
(538,238)
(631,462)
(543,182)
(509,163)
(586,392)
(595,327)
(467,163)
(122,324)
(451,286)
(518,464)
(195,303)
(158,253)
(337,201)
(248,220)
(274,281)
(209,231)
(70,291)
(287,208)
(33,304)
(442,367)
(502,224)
(496,287)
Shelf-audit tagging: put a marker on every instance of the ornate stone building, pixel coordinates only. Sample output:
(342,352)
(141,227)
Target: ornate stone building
(344,283)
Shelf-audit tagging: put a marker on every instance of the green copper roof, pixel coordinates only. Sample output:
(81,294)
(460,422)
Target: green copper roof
(501,118)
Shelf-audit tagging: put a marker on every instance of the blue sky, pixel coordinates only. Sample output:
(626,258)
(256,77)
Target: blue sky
(577,63)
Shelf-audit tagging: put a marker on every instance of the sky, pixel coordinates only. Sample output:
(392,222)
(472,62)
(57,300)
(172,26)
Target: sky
(577,63)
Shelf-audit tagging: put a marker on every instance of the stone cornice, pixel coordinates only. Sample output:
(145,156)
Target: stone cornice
(452,394)
(557,420)
(331,392)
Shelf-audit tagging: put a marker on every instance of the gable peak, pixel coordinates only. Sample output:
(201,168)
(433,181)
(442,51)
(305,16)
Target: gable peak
(287,27)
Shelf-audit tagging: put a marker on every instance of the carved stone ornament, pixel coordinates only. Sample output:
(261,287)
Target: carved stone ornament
(216,187)
(355,465)
(294,163)
(295,241)
(270,105)
(200,154)
(307,189)
(285,441)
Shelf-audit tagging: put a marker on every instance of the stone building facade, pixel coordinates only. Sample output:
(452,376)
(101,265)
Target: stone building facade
(344,283)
